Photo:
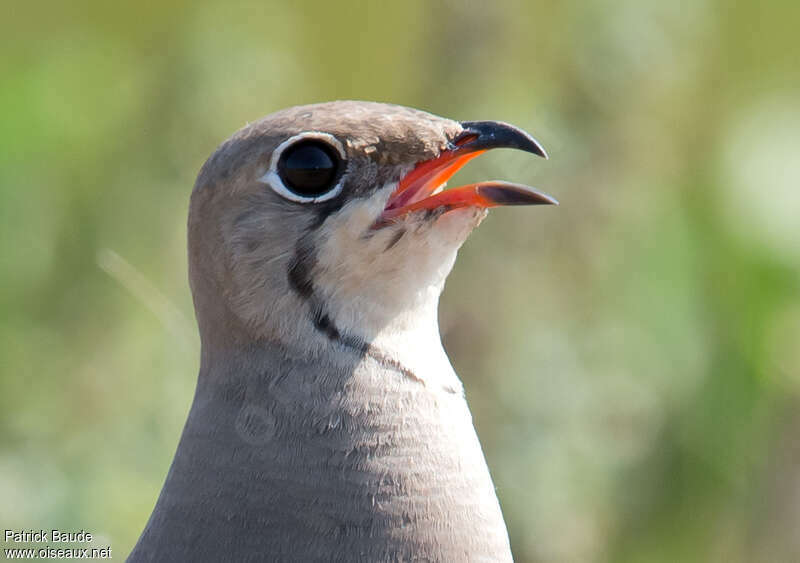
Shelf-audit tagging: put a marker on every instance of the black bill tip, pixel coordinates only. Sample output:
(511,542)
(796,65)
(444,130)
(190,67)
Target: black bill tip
(485,135)
(506,193)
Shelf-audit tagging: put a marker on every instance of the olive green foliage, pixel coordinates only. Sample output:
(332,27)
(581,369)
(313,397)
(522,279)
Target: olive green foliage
(632,357)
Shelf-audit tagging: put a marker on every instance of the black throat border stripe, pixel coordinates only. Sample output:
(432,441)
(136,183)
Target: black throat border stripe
(300,277)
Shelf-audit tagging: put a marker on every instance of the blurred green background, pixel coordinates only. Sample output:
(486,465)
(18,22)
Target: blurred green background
(632,358)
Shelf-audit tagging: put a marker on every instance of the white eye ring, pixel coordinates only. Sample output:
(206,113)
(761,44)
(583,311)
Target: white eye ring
(274,181)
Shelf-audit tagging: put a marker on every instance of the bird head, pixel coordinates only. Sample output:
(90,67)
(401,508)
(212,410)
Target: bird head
(330,221)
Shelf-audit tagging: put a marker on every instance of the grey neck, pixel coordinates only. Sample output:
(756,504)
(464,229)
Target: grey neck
(342,457)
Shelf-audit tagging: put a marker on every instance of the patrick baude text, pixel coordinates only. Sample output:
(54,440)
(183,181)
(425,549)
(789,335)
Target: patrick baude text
(47,536)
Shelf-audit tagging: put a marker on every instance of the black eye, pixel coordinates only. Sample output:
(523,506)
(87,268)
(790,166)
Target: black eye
(309,168)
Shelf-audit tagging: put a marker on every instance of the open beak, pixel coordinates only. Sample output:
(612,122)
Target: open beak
(421,189)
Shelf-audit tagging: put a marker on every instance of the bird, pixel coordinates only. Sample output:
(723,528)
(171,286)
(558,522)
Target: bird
(328,423)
